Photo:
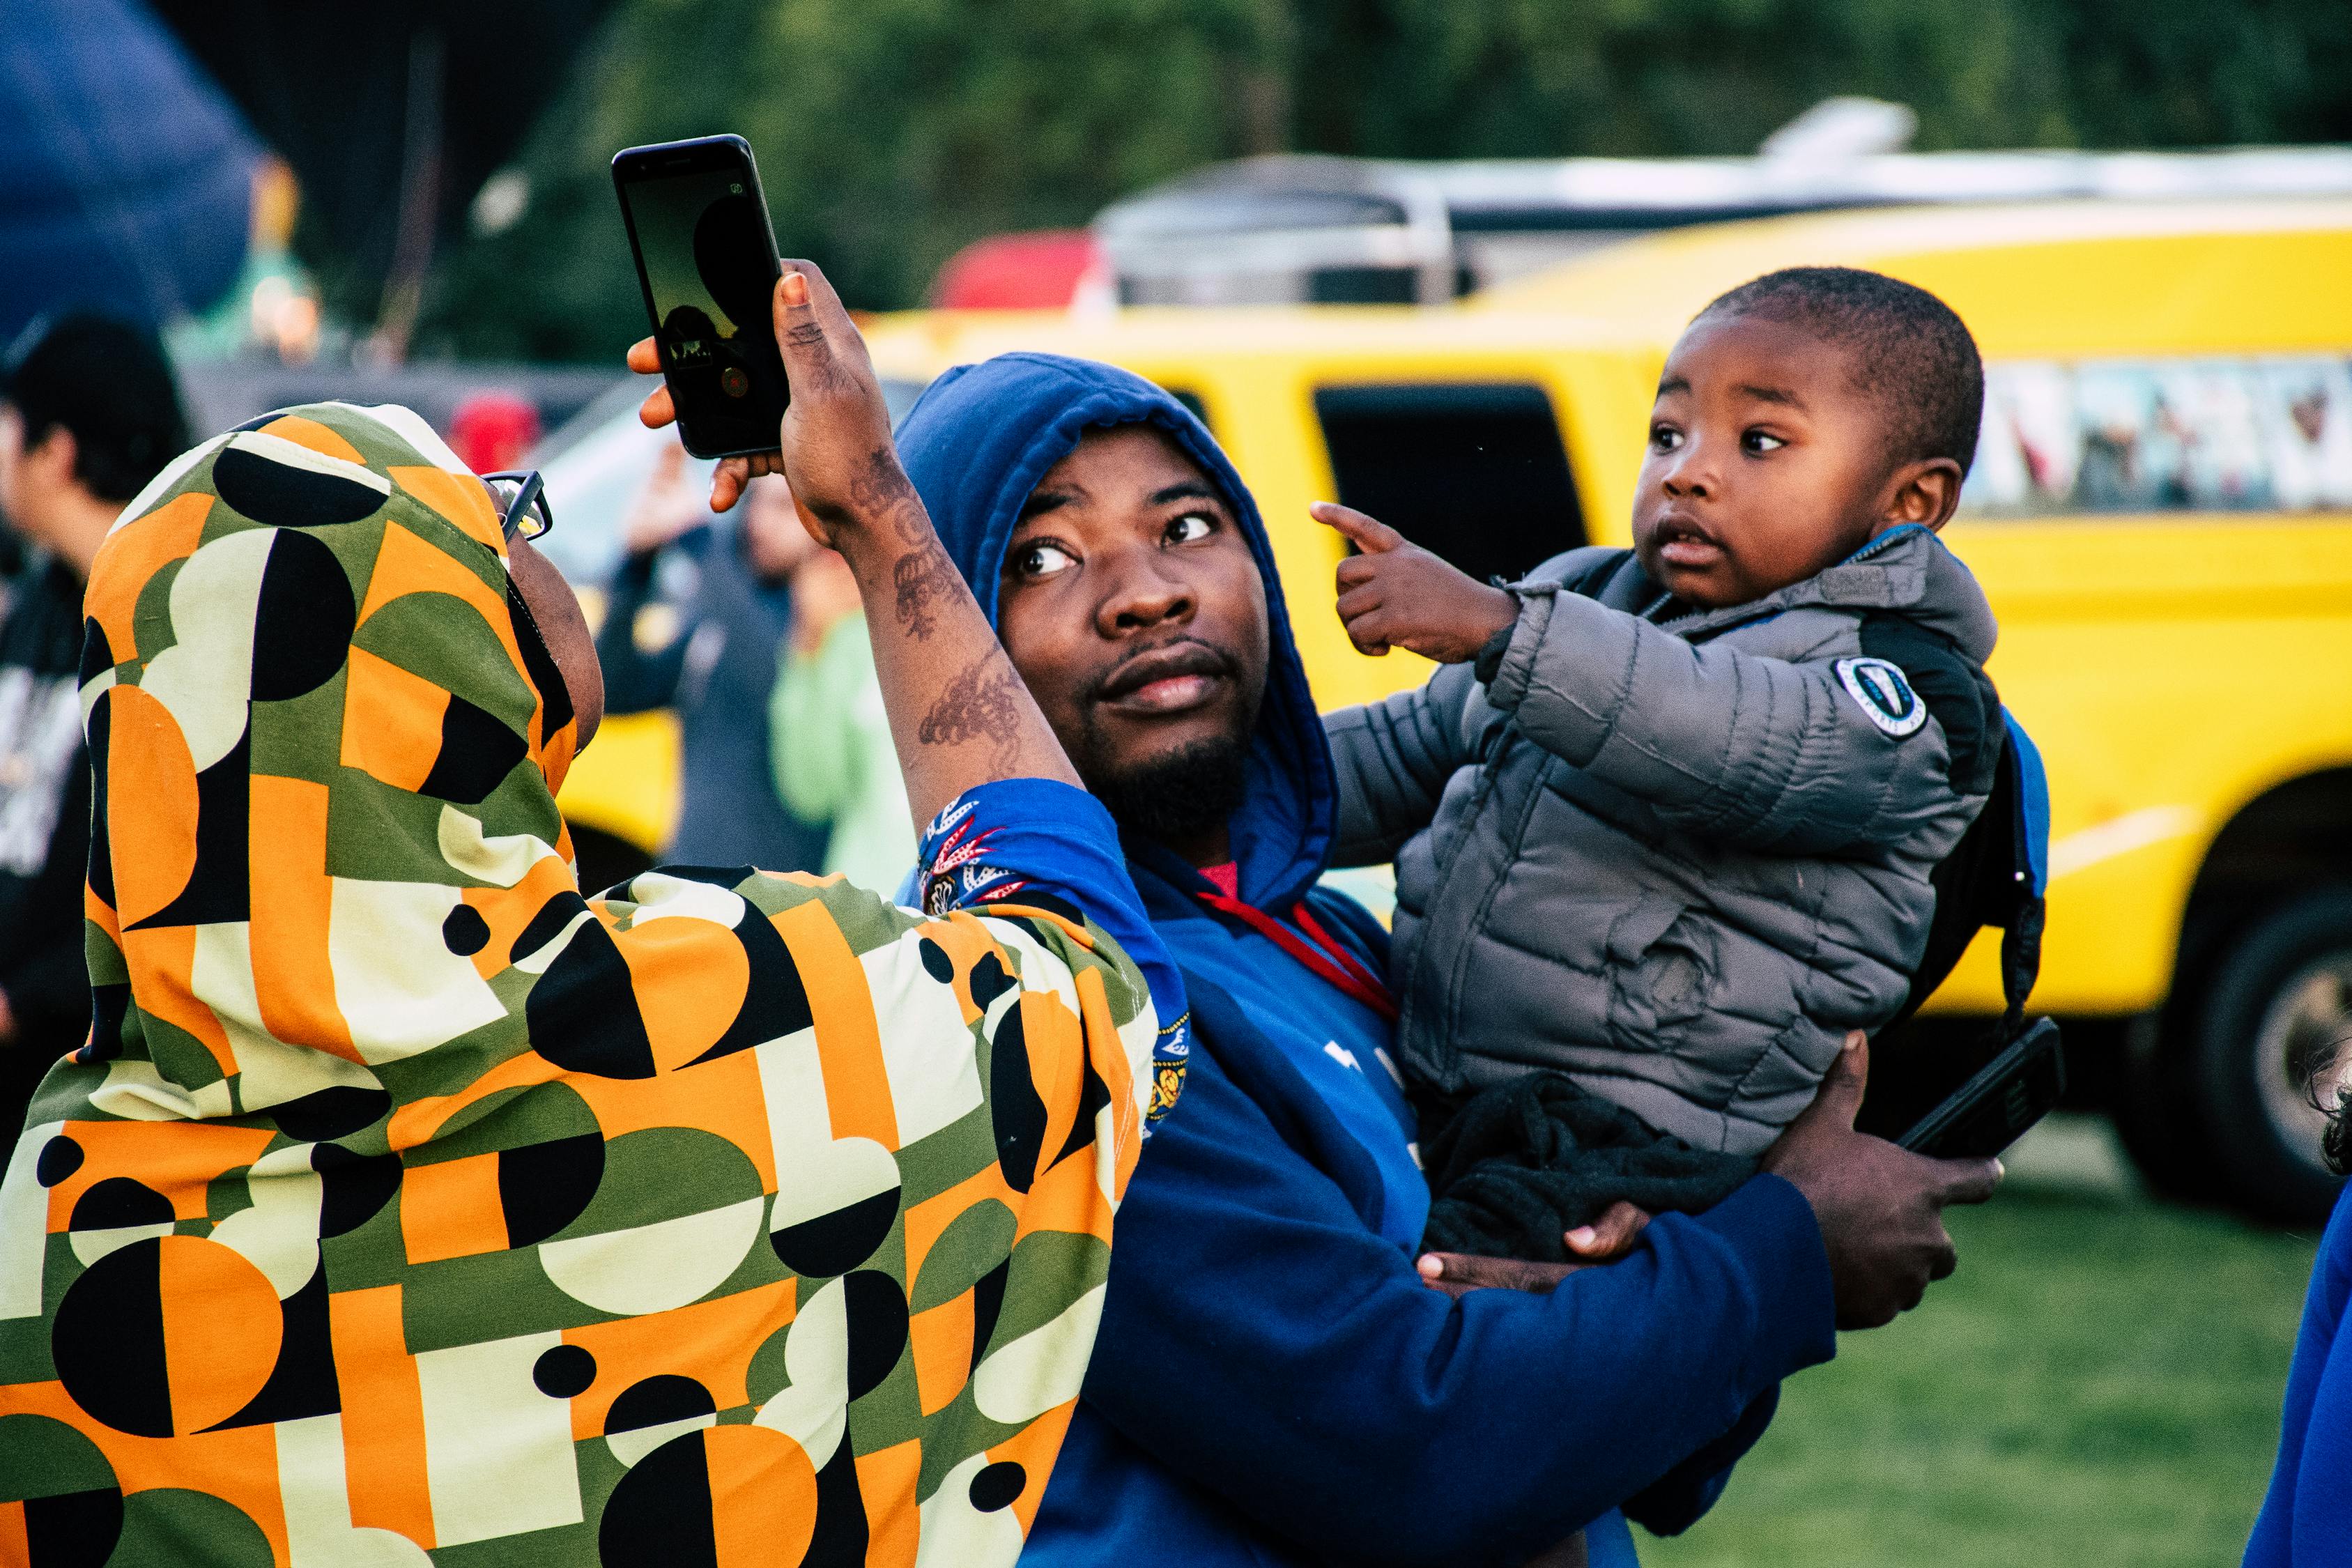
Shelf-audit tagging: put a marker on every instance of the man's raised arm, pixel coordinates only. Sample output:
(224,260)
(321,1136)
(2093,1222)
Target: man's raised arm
(958,713)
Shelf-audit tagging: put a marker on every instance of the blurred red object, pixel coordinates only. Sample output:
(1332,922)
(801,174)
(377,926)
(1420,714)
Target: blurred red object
(492,430)
(1039,270)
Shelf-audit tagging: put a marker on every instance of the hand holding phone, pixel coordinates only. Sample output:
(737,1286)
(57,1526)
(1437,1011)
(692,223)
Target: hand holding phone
(1880,1208)
(833,443)
(1996,1105)
(958,713)
(706,256)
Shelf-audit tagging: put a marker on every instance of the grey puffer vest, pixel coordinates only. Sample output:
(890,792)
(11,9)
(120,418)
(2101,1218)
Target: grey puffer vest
(1677,858)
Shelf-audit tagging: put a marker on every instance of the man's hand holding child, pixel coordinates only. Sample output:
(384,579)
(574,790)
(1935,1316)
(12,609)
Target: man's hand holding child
(1879,1206)
(1395,593)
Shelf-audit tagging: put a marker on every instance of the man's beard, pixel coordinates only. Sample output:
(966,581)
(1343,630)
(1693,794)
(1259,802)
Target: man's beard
(1178,794)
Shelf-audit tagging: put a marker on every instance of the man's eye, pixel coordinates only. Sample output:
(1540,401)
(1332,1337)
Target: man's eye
(1665,438)
(1759,442)
(1192,525)
(1035,561)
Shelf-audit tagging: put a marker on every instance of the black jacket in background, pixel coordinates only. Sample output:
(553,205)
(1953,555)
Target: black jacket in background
(716,673)
(43,830)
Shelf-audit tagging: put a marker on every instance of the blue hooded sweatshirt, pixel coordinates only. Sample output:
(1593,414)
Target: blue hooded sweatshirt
(1273,1384)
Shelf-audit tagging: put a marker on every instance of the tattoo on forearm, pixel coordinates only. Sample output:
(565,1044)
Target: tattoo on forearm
(980,704)
(925,582)
(884,490)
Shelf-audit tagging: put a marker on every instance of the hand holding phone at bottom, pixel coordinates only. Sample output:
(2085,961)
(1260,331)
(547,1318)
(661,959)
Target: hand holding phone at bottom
(1879,1207)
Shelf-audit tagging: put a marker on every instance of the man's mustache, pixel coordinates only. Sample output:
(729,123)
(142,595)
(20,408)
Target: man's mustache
(1185,655)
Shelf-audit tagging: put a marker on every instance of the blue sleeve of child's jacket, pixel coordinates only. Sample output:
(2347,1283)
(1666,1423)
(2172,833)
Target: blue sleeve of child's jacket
(2306,1517)
(1262,1343)
(1036,841)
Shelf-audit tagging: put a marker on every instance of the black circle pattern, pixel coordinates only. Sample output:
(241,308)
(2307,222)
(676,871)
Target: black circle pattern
(998,1486)
(464,930)
(564,1372)
(302,625)
(286,494)
(60,1157)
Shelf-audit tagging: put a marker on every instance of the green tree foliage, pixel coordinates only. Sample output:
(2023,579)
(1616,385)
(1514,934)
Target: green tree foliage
(889,133)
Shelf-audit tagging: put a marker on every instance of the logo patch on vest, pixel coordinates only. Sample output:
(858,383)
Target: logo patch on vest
(1886,698)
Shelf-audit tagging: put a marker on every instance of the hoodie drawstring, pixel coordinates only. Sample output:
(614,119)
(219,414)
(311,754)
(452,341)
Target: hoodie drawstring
(1317,949)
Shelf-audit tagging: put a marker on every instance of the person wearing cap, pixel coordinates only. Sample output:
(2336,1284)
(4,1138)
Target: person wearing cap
(88,413)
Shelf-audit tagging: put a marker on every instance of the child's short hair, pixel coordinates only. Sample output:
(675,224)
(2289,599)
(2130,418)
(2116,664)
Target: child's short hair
(1910,352)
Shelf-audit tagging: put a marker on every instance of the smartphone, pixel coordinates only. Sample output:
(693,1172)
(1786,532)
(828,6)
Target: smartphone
(707,262)
(1993,1109)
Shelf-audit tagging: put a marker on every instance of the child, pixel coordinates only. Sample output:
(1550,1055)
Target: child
(1664,823)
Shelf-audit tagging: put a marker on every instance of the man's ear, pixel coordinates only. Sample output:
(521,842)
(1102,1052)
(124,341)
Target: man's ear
(1926,492)
(50,462)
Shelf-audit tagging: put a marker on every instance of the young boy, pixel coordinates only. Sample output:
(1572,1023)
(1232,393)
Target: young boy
(1664,823)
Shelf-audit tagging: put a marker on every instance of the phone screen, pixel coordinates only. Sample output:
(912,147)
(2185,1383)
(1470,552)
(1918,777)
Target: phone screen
(706,259)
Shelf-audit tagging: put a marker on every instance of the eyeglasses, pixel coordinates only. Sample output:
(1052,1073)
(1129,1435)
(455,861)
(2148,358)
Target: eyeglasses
(523,501)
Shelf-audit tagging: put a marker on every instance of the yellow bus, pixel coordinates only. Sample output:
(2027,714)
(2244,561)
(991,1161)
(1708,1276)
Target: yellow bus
(2162,512)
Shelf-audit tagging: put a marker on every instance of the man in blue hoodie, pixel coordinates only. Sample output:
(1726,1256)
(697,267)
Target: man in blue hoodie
(1273,1381)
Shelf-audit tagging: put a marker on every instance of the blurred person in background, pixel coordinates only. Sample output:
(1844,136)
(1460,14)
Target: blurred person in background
(829,735)
(718,667)
(2307,1519)
(88,413)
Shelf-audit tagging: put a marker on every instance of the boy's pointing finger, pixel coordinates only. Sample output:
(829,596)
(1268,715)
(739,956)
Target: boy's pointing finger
(1368,535)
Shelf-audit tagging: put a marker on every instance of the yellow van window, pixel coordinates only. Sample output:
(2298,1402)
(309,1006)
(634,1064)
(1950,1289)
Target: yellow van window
(1475,472)
(2186,435)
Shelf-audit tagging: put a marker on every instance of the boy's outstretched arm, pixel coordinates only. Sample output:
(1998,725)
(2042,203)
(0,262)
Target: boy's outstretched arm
(1392,758)
(1769,754)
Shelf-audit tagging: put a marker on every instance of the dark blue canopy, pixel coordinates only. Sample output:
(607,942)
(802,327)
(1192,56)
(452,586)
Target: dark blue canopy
(125,176)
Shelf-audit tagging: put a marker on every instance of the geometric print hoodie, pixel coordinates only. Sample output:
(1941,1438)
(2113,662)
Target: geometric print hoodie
(406,1207)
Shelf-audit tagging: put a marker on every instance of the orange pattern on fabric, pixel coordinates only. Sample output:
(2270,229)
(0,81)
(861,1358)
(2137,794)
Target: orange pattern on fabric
(392,721)
(152,805)
(722,1097)
(705,980)
(164,957)
(705,1341)
(221,1329)
(199,1155)
(848,1042)
(130,558)
(463,501)
(292,974)
(383,1415)
(892,1472)
(317,437)
(762,1496)
(941,1341)
(449,1209)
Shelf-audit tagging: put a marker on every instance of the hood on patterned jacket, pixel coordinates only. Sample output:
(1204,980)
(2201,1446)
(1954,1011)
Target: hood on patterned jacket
(976,445)
(362,719)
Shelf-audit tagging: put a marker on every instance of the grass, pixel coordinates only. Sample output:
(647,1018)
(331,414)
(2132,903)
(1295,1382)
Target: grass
(2098,1384)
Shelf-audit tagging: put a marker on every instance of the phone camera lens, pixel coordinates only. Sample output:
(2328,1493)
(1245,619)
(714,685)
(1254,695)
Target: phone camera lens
(733,382)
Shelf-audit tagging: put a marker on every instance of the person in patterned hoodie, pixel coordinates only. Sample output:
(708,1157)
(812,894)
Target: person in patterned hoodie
(406,1206)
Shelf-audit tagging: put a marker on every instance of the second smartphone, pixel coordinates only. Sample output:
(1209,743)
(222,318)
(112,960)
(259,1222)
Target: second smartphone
(707,262)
